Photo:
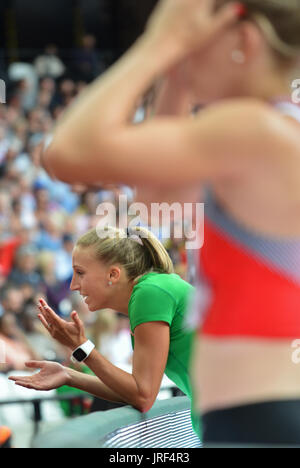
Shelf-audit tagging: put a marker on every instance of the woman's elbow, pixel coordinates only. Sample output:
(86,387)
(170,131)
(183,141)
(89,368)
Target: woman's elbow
(54,162)
(49,160)
(144,404)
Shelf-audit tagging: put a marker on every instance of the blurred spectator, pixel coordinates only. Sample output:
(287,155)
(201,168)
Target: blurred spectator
(49,237)
(18,349)
(12,300)
(23,204)
(49,64)
(25,269)
(56,291)
(7,252)
(38,337)
(19,135)
(122,347)
(60,197)
(65,94)
(46,92)
(4,144)
(36,121)
(2,283)
(103,331)
(88,318)
(87,62)
(24,75)
(5,209)
(111,336)
(63,260)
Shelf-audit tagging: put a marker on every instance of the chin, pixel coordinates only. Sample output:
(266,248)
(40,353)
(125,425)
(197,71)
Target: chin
(95,308)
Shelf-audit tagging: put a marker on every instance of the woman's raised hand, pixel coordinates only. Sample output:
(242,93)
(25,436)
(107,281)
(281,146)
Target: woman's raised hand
(70,334)
(51,376)
(190,24)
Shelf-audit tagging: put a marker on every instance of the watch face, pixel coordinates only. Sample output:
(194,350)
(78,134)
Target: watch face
(79,355)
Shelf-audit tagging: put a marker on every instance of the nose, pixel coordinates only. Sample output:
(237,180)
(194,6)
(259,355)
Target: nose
(74,286)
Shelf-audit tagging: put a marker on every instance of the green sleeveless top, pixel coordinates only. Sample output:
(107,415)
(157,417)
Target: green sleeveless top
(166,298)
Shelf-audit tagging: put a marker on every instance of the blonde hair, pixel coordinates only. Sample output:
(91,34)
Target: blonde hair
(279,20)
(138,250)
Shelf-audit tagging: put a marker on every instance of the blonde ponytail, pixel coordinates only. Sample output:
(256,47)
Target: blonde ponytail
(160,257)
(279,20)
(136,249)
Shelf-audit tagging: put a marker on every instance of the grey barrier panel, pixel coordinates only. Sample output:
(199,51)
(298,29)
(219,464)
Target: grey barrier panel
(166,425)
(2,92)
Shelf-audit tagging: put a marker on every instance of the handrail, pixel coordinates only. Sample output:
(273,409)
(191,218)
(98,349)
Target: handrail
(167,425)
(72,398)
(43,399)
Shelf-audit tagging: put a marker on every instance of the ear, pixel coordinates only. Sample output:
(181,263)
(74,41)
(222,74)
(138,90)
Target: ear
(252,41)
(114,274)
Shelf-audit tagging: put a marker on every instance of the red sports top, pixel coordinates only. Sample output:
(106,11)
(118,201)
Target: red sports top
(249,284)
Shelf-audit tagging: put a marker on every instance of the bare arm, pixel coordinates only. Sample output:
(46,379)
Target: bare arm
(53,375)
(115,93)
(223,142)
(93,385)
(173,95)
(140,388)
(85,142)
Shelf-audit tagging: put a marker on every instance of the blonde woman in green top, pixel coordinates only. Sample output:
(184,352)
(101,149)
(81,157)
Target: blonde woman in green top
(132,273)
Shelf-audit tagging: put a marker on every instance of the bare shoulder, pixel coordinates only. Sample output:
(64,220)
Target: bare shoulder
(244,115)
(247,131)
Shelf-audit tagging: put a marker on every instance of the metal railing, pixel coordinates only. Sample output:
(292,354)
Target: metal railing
(166,425)
(76,402)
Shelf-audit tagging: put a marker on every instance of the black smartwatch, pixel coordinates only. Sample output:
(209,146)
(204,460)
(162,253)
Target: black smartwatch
(82,352)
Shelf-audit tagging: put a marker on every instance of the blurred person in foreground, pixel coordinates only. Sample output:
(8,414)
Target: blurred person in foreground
(236,62)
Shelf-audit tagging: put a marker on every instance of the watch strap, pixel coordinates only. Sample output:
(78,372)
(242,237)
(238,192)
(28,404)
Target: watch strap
(86,347)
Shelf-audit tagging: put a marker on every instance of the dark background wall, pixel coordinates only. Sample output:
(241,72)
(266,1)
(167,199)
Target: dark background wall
(26,26)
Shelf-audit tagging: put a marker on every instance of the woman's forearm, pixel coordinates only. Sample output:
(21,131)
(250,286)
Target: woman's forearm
(110,383)
(107,105)
(174,96)
(118,384)
(111,98)
(93,385)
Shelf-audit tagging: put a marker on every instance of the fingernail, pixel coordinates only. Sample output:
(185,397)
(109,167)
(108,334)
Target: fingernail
(241,10)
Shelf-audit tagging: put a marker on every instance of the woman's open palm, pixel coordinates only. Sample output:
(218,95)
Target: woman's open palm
(51,376)
(70,334)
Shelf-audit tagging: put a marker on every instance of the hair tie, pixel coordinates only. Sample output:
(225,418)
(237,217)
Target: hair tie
(133,236)
(241,10)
